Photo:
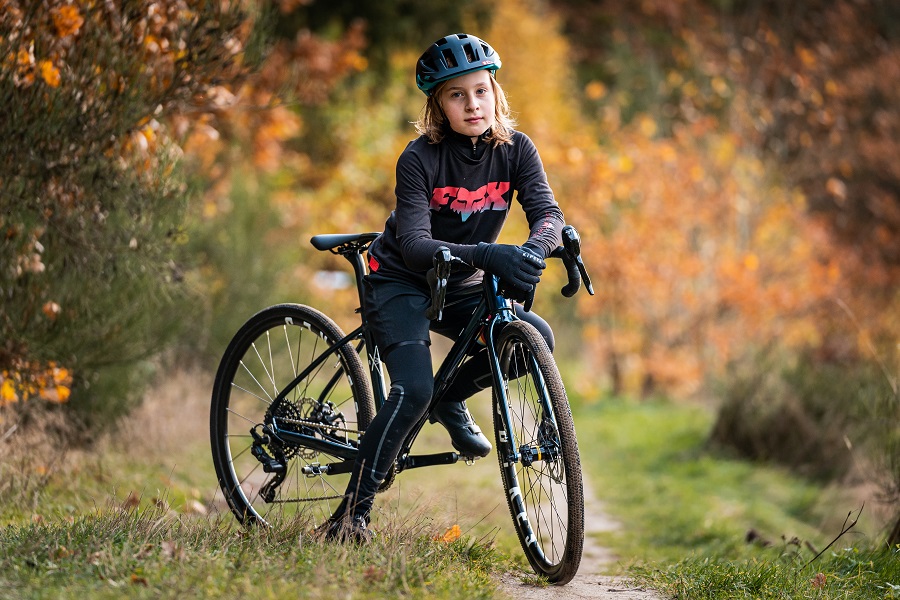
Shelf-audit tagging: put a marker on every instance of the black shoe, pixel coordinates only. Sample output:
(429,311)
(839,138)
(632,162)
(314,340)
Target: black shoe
(465,433)
(348,529)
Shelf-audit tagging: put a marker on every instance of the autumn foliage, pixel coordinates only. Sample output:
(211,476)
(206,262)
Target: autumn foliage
(677,139)
(90,188)
(728,187)
(731,171)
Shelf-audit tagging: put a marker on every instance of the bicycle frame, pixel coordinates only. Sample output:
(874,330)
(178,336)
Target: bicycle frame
(491,313)
(299,428)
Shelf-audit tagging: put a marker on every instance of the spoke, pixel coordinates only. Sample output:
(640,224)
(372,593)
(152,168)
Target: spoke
(312,357)
(252,471)
(237,414)
(263,363)
(271,363)
(253,377)
(558,494)
(300,335)
(263,400)
(234,457)
(293,471)
(539,521)
(290,350)
(533,498)
(547,533)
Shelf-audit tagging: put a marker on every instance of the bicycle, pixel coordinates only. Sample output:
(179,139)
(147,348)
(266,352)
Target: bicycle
(291,399)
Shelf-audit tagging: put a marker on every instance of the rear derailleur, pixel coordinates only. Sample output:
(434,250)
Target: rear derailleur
(271,464)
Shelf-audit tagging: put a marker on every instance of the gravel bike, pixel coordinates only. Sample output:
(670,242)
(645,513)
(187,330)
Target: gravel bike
(292,398)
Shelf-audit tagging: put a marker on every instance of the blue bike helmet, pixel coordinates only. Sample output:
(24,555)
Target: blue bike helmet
(453,56)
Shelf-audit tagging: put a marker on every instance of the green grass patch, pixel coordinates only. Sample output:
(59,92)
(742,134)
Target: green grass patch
(697,524)
(849,573)
(650,465)
(150,553)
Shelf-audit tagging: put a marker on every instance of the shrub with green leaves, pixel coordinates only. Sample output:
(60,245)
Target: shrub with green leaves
(91,193)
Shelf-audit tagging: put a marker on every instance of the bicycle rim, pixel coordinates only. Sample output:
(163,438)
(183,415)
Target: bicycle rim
(543,485)
(332,402)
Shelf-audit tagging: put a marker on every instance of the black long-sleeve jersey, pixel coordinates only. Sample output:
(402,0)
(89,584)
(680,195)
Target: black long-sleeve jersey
(457,194)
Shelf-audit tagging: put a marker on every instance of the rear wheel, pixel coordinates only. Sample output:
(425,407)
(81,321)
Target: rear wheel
(265,478)
(538,454)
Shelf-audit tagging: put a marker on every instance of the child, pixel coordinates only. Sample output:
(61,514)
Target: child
(454,188)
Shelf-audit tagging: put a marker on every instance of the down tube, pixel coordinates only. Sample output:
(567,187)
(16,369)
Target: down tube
(500,391)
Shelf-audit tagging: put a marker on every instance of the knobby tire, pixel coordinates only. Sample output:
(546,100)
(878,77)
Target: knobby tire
(264,356)
(545,497)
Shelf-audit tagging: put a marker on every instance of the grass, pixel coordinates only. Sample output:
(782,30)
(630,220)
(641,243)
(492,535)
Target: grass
(849,573)
(149,553)
(649,464)
(138,517)
(699,525)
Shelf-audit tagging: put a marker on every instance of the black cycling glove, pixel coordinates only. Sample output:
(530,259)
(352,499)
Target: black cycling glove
(518,268)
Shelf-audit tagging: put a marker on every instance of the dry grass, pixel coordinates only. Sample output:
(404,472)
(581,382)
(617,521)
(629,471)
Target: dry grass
(33,447)
(172,419)
(137,514)
(159,456)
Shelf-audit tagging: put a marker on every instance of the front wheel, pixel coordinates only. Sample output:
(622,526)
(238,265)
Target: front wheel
(271,379)
(538,454)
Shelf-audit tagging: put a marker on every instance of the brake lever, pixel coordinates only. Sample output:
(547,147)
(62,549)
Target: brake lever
(572,244)
(438,277)
(529,300)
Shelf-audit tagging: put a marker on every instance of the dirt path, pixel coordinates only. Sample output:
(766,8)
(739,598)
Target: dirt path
(590,581)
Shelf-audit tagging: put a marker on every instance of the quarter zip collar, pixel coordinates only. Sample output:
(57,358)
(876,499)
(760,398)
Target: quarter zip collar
(464,142)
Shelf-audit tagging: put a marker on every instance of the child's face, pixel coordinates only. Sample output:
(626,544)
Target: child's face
(468,103)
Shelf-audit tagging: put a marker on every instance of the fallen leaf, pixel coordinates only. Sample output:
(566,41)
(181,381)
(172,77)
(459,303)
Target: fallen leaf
(451,535)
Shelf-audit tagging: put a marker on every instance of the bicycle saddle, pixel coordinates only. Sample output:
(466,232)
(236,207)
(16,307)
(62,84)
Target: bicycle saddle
(329,241)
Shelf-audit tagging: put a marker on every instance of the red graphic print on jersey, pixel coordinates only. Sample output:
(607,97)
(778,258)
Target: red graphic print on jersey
(464,202)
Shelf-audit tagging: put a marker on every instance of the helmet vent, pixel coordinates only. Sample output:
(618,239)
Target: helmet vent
(470,53)
(449,58)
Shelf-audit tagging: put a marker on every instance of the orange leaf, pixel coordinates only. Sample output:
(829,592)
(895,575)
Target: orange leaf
(67,20)
(451,535)
(51,310)
(49,73)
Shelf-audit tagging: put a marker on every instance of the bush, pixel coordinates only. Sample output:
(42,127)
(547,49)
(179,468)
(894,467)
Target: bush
(242,260)
(786,416)
(821,418)
(91,194)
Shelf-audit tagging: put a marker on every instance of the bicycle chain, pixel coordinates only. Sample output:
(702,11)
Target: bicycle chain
(296,500)
(319,425)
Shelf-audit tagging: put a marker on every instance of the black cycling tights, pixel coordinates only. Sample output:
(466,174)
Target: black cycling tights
(406,404)
(410,370)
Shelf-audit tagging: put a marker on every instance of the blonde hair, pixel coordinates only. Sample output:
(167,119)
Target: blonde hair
(431,120)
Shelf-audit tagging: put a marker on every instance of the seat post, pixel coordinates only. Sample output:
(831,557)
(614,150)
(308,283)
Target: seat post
(359,271)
